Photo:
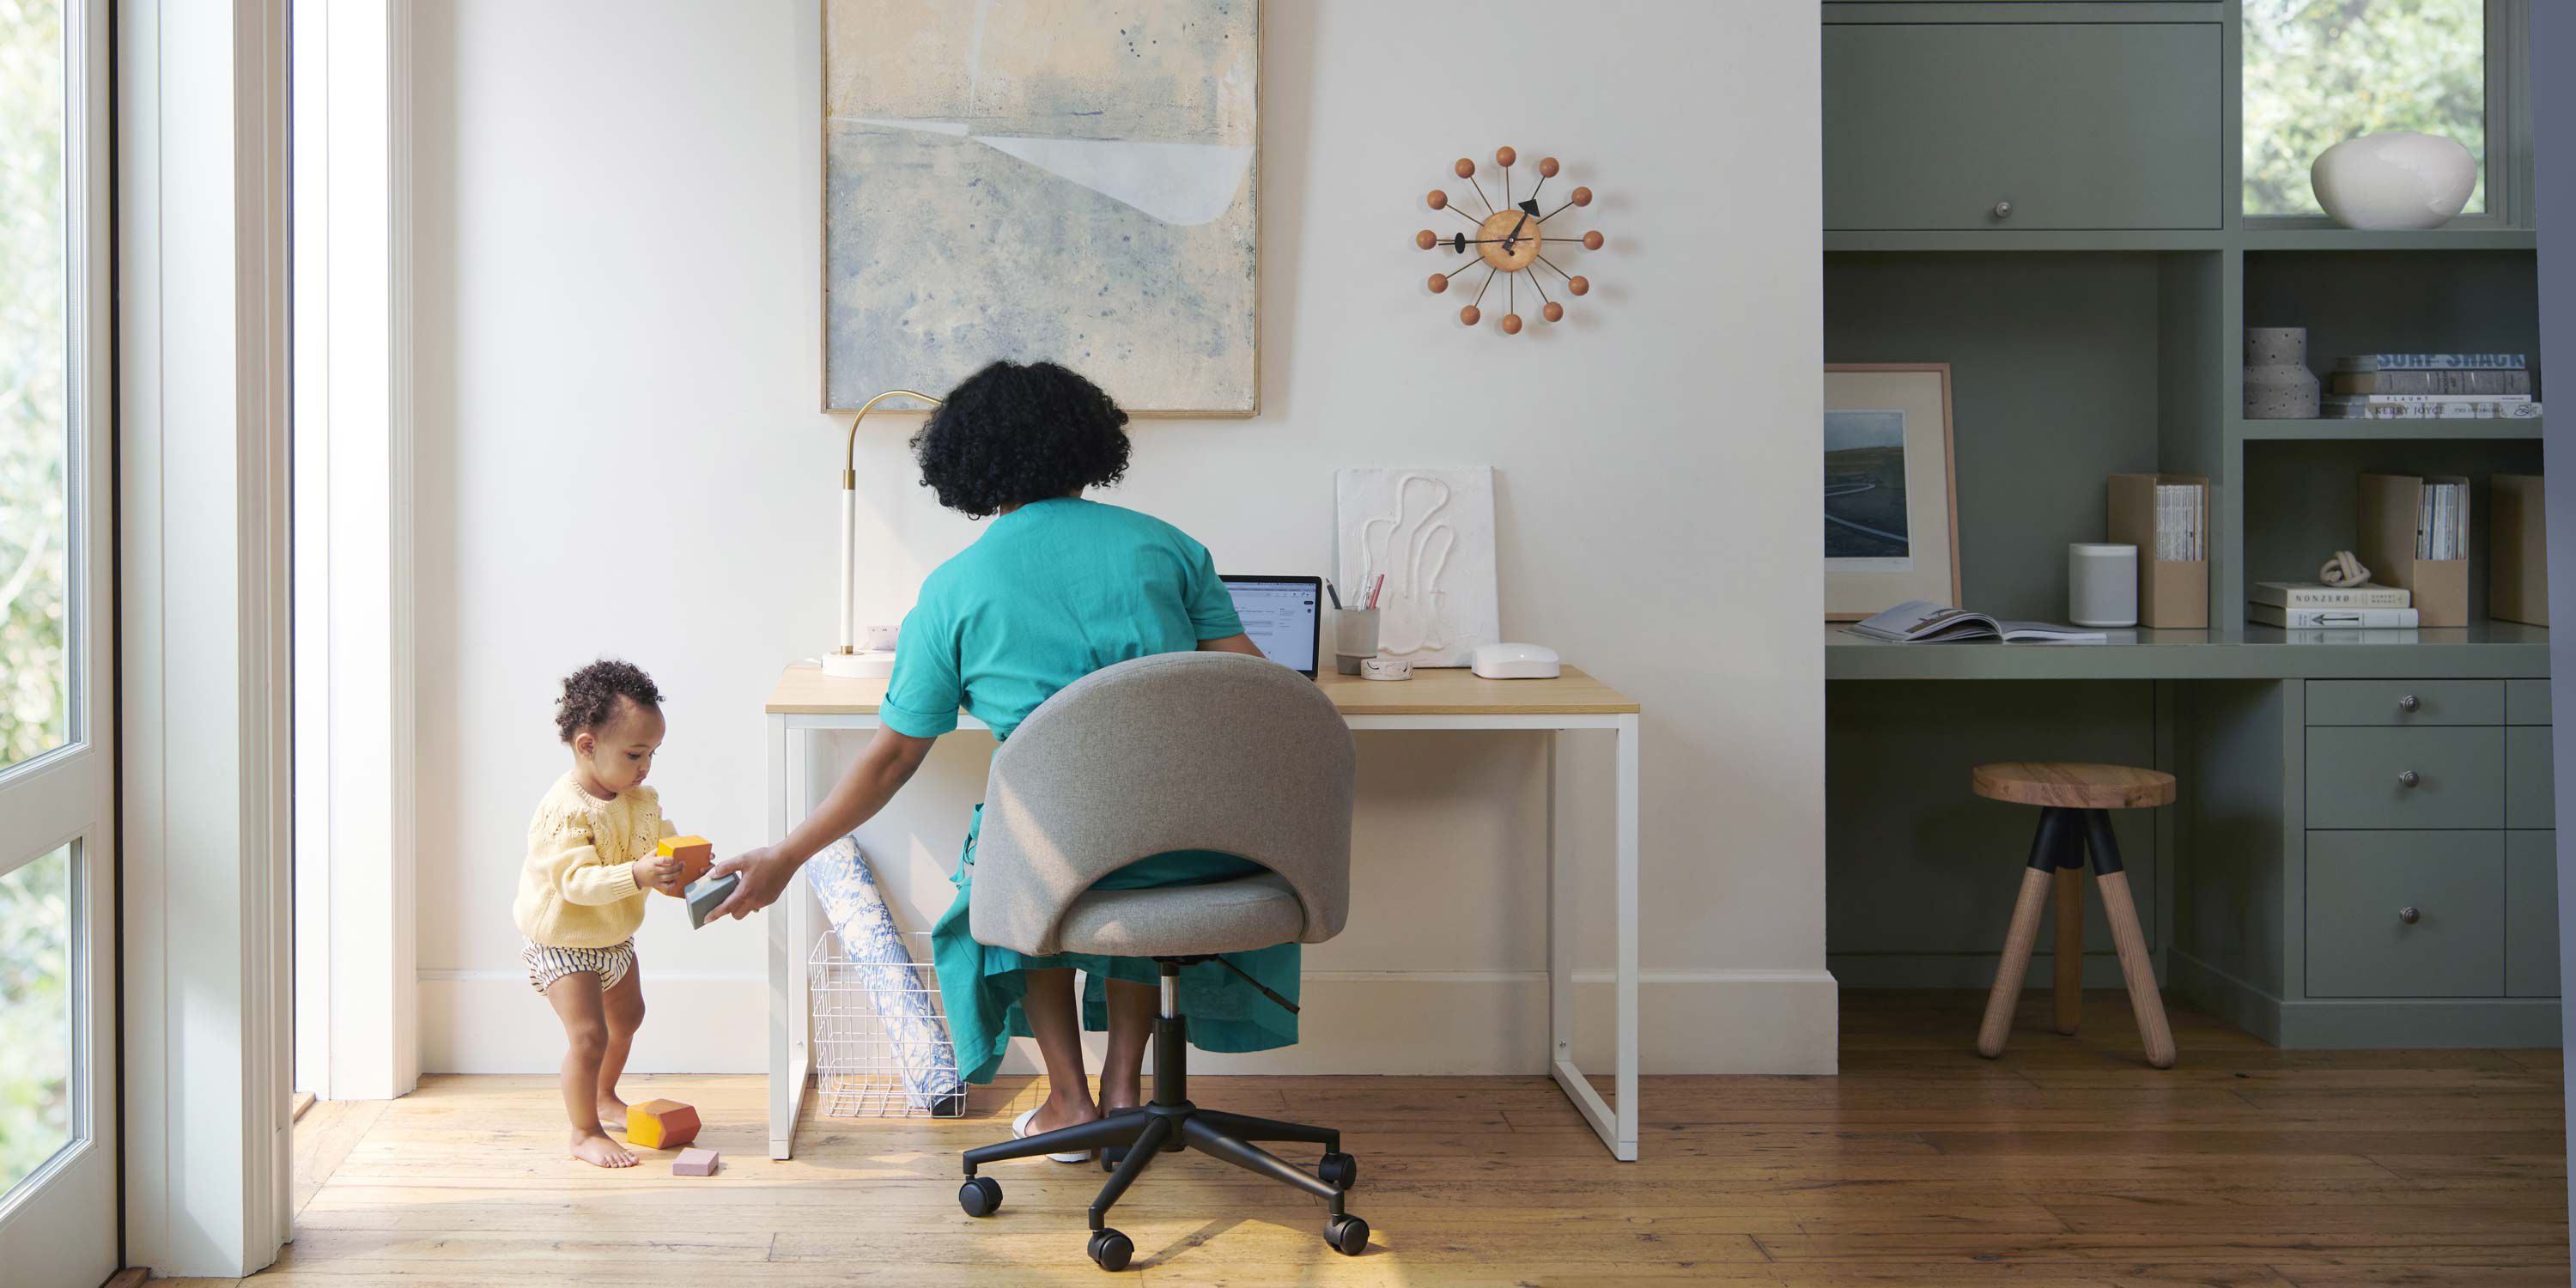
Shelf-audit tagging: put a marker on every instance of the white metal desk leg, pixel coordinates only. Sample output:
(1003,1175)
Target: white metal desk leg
(1560,913)
(782,1097)
(1625,1146)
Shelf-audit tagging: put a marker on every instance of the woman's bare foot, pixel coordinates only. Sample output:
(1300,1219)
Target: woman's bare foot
(612,1111)
(598,1150)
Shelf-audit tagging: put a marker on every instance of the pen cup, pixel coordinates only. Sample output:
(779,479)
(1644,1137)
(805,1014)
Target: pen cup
(1354,638)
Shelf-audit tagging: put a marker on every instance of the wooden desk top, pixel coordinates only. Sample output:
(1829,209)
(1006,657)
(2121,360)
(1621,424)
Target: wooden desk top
(805,690)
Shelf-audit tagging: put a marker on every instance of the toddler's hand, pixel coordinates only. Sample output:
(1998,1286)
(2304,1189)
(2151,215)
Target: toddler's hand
(658,872)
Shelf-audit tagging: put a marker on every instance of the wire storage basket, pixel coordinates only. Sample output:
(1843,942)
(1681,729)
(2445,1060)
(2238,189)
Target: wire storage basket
(875,1027)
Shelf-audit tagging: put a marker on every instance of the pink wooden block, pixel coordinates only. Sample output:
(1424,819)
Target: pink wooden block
(694,1162)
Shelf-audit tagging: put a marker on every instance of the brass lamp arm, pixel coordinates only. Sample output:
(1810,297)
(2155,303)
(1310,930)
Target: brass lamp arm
(850,455)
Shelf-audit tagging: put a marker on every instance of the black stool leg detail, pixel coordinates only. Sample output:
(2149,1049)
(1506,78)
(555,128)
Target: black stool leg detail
(1252,1158)
(2059,841)
(1140,1155)
(1096,1134)
(1247,1127)
(2098,839)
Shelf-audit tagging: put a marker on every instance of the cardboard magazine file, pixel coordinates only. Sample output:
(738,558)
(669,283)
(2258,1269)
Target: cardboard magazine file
(2517,550)
(2172,593)
(2389,508)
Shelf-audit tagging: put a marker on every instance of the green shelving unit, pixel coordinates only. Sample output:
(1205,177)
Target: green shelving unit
(1968,228)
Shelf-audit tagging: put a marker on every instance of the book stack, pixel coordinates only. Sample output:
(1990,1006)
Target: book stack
(2308,604)
(2441,521)
(2431,386)
(2181,521)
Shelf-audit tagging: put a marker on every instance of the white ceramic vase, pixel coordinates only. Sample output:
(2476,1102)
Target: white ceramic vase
(2396,180)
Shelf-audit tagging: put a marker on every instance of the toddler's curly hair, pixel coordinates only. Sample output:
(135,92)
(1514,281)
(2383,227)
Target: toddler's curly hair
(590,695)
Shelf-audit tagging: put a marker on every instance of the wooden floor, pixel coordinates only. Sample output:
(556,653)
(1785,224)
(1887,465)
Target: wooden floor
(2065,1162)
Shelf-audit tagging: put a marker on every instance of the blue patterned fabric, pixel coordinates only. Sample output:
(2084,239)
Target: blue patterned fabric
(848,891)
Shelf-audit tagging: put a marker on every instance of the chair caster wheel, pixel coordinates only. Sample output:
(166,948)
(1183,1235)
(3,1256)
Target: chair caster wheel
(1347,1234)
(980,1196)
(1111,1157)
(1341,1171)
(1110,1250)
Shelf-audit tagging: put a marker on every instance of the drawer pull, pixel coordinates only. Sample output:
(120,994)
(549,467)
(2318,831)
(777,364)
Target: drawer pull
(2003,210)
(2409,914)
(2409,704)
(2409,778)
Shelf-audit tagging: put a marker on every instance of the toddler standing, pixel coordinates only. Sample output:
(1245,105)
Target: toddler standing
(590,861)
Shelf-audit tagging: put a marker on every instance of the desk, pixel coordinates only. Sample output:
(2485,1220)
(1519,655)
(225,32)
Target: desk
(806,700)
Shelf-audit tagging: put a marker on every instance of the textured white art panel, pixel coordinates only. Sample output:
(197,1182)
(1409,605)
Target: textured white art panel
(1431,533)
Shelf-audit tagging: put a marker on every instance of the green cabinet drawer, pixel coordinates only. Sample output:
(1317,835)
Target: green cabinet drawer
(2528,800)
(2526,702)
(2405,702)
(2531,914)
(2406,914)
(2405,778)
(2093,125)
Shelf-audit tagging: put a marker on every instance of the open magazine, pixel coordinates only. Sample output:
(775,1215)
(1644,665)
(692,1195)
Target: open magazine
(1920,621)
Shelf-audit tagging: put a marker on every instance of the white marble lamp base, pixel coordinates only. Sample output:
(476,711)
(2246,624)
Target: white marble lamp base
(868,664)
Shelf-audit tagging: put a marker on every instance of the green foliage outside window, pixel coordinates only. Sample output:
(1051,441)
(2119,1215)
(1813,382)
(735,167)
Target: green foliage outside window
(2318,72)
(35,899)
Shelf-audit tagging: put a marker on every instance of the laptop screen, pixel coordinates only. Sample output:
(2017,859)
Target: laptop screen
(1281,615)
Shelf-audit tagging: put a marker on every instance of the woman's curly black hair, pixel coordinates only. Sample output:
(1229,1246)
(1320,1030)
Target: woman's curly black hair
(590,695)
(1015,433)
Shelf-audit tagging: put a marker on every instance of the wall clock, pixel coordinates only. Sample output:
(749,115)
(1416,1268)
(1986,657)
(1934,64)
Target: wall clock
(1510,242)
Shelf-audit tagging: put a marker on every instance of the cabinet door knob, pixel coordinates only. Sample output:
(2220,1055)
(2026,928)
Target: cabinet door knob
(2003,210)
(2409,778)
(2409,914)
(2409,703)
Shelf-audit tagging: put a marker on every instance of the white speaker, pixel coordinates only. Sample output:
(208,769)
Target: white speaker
(2101,584)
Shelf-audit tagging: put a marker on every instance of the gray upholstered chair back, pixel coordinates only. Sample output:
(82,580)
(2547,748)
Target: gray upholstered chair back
(1179,751)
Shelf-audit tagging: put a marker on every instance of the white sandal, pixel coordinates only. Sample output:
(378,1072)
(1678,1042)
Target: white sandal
(1020,1130)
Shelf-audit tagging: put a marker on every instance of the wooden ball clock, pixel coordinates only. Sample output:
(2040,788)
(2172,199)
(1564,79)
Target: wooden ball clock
(1509,241)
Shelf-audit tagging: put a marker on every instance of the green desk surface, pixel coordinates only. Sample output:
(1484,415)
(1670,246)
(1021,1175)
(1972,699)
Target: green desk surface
(2491,649)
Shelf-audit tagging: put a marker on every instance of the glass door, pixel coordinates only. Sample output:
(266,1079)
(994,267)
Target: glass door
(58,1128)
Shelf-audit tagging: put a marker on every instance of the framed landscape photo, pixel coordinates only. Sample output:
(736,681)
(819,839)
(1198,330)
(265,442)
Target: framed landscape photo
(1891,488)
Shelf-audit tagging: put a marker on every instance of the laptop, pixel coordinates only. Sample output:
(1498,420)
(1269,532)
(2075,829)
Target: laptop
(1283,615)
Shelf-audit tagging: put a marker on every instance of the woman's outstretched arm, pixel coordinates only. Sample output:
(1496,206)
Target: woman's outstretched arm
(889,762)
(1231,644)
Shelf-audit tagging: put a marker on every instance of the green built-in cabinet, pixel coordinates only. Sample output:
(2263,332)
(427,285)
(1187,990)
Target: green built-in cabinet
(2093,325)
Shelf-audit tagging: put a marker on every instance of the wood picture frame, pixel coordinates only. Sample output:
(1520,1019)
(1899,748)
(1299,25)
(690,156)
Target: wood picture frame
(1902,543)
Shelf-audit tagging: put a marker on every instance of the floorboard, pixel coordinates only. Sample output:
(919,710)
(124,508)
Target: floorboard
(2066,1162)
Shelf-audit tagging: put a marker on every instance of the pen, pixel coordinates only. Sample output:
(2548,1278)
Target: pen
(1333,594)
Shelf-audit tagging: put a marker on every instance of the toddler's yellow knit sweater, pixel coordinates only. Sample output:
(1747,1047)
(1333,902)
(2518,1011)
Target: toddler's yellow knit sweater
(579,890)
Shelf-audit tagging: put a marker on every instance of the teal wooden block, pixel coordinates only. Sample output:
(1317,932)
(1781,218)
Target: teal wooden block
(707,894)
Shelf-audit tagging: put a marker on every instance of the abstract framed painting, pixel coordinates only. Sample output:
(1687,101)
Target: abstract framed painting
(1891,488)
(1075,181)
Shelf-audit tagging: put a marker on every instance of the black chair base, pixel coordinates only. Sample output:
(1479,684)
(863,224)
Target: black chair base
(1169,1125)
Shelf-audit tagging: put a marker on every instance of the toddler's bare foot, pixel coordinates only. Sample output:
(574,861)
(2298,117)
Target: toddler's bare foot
(612,1111)
(598,1150)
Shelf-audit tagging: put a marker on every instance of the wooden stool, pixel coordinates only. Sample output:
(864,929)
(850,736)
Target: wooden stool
(2074,817)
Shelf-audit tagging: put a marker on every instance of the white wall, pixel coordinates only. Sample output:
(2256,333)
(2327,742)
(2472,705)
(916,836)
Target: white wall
(618,372)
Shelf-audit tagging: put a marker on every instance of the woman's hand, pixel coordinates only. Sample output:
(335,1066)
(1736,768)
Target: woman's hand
(765,872)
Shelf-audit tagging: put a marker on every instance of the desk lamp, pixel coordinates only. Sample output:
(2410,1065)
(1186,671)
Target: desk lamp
(849,660)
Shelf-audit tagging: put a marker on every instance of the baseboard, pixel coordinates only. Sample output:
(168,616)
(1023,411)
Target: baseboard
(1353,1022)
(2351,1023)
(1961,970)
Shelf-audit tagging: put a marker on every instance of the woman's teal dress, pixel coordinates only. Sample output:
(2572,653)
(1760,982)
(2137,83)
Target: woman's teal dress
(1049,594)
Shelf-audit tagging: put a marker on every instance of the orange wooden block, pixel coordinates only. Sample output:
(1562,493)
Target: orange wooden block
(695,853)
(661,1124)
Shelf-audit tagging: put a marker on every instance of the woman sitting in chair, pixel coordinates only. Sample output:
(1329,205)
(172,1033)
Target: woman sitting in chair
(1056,588)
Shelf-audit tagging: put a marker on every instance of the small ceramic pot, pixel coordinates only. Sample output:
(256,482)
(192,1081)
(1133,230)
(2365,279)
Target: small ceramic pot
(2278,384)
(2400,179)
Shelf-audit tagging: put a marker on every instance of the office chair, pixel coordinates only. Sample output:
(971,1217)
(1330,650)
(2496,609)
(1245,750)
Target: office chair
(1181,751)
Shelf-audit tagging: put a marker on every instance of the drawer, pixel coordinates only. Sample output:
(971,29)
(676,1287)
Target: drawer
(2405,778)
(2530,914)
(2528,799)
(2405,702)
(2361,889)
(2526,702)
(2094,125)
